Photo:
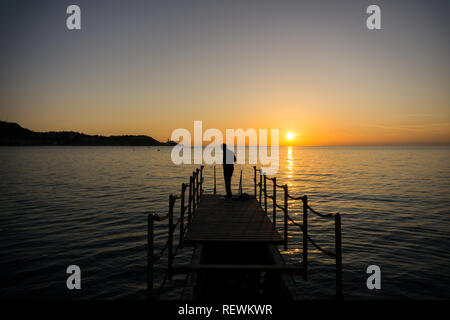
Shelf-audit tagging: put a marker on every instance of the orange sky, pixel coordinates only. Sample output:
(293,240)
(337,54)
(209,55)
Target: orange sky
(309,68)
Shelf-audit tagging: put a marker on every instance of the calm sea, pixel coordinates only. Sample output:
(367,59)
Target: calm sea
(87,206)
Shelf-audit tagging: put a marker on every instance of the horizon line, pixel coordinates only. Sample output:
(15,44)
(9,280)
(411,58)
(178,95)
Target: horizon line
(374,144)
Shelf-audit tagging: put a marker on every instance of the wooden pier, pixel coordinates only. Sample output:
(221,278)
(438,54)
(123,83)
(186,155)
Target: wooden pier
(235,241)
(232,220)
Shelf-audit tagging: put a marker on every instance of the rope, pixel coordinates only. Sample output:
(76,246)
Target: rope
(195,187)
(295,198)
(326,252)
(158,218)
(295,223)
(329,215)
(163,283)
(158,256)
(176,224)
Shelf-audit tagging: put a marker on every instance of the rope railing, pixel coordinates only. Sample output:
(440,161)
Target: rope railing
(195,191)
(328,253)
(329,215)
(295,198)
(192,192)
(337,254)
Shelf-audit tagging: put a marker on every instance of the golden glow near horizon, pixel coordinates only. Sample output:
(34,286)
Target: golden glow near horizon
(290,136)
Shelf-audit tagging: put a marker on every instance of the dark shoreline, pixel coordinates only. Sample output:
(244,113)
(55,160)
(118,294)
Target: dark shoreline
(12,134)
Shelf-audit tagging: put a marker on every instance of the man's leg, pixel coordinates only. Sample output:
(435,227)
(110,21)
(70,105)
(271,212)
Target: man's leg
(228,184)
(228,173)
(225,179)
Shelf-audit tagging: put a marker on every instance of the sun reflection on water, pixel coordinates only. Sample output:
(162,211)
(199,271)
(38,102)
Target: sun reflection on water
(290,161)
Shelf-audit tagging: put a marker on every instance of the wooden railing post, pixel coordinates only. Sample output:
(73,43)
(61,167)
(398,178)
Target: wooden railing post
(305,237)
(183,191)
(201,181)
(285,187)
(197,188)
(150,256)
(260,187)
(338,239)
(254,178)
(265,194)
(274,195)
(170,244)
(240,184)
(190,200)
(214,179)
(194,192)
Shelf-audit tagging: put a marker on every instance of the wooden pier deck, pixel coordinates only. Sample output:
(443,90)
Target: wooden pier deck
(231,220)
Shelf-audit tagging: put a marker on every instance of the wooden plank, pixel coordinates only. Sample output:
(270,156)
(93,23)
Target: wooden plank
(233,220)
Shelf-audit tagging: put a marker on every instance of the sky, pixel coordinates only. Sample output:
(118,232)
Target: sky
(307,67)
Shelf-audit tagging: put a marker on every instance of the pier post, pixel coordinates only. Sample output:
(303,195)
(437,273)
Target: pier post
(214,180)
(190,200)
(240,184)
(170,244)
(183,191)
(285,187)
(337,230)
(193,192)
(150,256)
(274,195)
(197,188)
(254,178)
(201,180)
(265,194)
(260,187)
(305,237)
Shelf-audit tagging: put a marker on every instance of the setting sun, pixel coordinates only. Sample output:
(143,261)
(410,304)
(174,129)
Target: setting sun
(290,136)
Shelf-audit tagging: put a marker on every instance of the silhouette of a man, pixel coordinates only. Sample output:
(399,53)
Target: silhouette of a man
(228,160)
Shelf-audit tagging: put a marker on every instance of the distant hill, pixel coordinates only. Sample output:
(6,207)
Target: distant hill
(12,134)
